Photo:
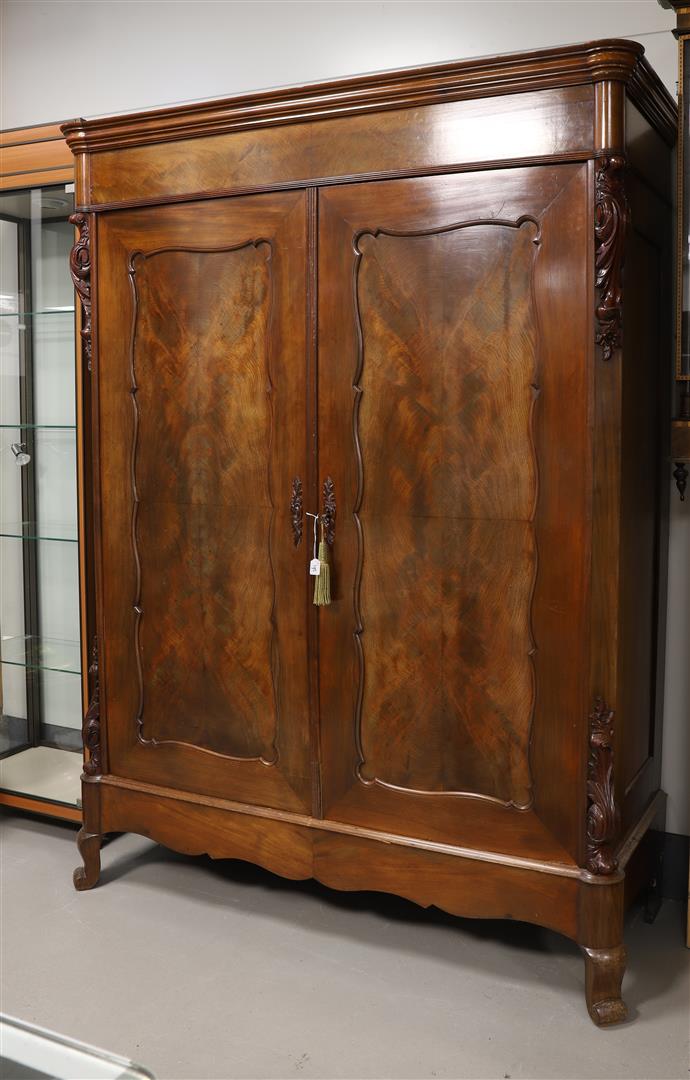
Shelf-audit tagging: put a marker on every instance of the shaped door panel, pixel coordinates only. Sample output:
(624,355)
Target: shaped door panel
(459,568)
(202,400)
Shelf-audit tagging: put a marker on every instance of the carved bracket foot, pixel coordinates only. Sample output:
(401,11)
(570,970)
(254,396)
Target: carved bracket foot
(86,876)
(604,970)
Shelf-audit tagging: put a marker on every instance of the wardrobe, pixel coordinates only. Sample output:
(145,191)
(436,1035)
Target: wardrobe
(431,309)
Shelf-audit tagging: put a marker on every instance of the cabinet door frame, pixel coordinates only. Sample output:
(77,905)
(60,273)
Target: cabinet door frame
(557,197)
(277,224)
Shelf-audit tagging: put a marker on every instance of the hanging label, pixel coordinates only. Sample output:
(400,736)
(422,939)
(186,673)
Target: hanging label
(315,567)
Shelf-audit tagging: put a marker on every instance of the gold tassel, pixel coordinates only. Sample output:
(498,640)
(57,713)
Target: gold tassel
(322,583)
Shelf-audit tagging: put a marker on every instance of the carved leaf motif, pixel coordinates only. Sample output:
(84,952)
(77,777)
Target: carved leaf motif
(611,219)
(603,818)
(329,510)
(80,269)
(296,510)
(91,728)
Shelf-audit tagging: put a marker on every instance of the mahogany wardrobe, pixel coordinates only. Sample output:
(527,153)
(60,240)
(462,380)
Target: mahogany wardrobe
(431,307)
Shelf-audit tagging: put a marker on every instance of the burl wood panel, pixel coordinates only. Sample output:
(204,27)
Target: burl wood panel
(203,500)
(202,399)
(460,561)
(449,484)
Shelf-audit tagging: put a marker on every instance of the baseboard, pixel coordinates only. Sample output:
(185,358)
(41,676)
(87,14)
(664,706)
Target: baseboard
(61,738)
(674,866)
(14,736)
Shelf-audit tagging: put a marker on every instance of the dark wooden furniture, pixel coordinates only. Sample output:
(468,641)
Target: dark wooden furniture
(401,299)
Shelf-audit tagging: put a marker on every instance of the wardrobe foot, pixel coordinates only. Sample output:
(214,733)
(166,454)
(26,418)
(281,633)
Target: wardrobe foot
(604,970)
(86,876)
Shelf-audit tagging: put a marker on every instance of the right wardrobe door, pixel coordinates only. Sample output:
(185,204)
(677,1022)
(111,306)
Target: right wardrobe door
(454,361)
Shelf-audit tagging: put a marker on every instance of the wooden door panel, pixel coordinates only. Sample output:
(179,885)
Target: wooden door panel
(447,684)
(201,463)
(436,353)
(204,637)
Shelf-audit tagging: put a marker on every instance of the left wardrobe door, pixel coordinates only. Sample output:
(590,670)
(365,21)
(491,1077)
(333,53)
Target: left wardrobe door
(201,390)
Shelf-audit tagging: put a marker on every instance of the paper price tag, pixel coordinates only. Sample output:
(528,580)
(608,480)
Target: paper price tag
(315,567)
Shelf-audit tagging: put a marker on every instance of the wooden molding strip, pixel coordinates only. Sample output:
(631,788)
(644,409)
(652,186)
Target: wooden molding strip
(27,135)
(653,100)
(608,60)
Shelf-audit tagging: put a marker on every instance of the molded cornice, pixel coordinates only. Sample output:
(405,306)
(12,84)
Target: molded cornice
(571,65)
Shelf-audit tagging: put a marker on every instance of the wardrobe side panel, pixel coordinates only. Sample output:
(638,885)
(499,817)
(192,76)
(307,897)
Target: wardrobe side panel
(645,473)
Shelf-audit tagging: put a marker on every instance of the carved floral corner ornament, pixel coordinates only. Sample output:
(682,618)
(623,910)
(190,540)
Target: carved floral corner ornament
(80,269)
(603,817)
(91,728)
(611,220)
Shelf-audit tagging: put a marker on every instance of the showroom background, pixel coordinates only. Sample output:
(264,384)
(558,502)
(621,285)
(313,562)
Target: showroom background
(66,58)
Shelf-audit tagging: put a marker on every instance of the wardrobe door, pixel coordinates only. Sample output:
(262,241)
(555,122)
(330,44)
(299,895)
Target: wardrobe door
(454,353)
(201,414)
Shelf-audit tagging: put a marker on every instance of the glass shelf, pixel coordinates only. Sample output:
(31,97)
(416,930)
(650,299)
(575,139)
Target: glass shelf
(33,314)
(38,427)
(35,530)
(46,654)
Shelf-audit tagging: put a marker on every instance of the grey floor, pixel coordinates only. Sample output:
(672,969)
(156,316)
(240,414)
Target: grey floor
(217,970)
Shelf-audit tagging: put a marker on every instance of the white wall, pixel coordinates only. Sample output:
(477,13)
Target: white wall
(65,58)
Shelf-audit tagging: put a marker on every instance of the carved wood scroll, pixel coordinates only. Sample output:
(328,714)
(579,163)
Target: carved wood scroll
(329,510)
(80,269)
(603,818)
(91,728)
(296,510)
(611,219)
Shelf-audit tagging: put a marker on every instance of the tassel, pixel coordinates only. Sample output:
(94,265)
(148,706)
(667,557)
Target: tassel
(322,583)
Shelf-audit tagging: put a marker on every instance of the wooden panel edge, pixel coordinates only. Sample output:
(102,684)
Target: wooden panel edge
(324,182)
(33,134)
(38,178)
(341,828)
(41,806)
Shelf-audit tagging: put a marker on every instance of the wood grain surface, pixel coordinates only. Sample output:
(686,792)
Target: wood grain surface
(203,396)
(441,373)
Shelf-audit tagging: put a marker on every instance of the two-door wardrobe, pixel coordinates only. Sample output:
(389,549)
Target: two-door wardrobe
(431,307)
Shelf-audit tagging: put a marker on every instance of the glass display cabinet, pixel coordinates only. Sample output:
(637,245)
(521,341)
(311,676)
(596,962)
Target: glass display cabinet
(41,686)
